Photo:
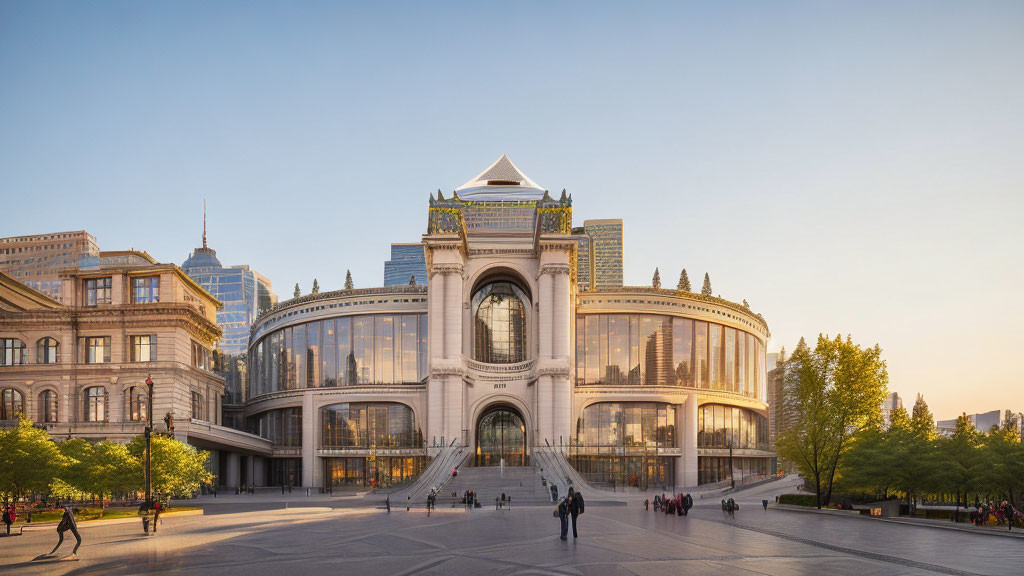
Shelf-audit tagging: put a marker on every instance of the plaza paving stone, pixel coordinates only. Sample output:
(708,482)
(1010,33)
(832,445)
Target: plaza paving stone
(614,540)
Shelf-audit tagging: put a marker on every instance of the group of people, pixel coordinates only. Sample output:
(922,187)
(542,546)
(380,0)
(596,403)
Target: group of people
(1003,513)
(679,504)
(569,507)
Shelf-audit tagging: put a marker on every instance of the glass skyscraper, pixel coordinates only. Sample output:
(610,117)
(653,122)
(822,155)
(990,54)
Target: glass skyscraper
(406,261)
(244,294)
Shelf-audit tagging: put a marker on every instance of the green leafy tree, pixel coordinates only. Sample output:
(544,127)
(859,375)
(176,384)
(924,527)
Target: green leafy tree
(348,280)
(1003,463)
(684,281)
(922,422)
(656,281)
(178,468)
(297,292)
(706,290)
(962,463)
(316,286)
(838,388)
(29,460)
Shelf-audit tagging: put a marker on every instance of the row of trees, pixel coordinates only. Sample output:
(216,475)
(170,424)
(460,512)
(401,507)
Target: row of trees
(31,463)
(684,282)
(908,459)
(830,398)
(348,284)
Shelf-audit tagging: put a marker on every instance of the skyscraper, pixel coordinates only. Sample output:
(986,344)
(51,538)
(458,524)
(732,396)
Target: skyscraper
(599,254)
(244,294)
(406,261)
(891,402)
(36,260)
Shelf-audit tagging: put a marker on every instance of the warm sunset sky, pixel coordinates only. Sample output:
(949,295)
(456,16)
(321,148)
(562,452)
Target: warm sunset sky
(853,168)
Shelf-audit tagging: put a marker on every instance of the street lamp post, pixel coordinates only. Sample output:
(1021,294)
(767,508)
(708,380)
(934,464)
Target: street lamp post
(149,440)
(732,478)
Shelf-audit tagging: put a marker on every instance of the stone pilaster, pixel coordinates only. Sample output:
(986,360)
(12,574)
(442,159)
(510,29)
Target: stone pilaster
(308,442)
(688,444)
(435,385)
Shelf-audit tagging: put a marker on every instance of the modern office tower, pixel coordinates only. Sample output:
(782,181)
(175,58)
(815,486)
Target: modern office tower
(37,260)
(501,358)
(891,402)
(599,254)
(244,294)
(407,261)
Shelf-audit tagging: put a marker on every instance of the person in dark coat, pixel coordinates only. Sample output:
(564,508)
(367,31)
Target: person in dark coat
(67,522)
(563,513)
(575,509)
(10,515)
(687,504)
(1008,514)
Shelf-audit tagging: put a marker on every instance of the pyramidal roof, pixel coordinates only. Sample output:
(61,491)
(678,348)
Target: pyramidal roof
(501,181)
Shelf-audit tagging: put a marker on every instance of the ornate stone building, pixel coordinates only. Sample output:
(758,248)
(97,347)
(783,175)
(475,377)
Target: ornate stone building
(79,367)
(503,353)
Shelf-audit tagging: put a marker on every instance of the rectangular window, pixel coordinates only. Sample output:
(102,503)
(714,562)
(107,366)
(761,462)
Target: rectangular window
(384,357)
(741,363)
(200,356)
(407,351)
(97,349)
(362,349)
(313,354)
(146,289)
(729,360)
(700,354)
(299,356)
(617,369)
(346,360)
(97,291)
(682,350)
(329,354)
(716,355)
(143,348)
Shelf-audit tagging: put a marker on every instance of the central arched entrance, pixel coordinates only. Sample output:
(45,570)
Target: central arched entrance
(501,433)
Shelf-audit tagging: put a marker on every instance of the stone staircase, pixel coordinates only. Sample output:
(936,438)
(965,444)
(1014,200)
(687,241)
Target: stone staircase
(522,484)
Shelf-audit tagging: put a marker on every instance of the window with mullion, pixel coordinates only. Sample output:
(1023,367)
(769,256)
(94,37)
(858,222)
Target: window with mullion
(143,348)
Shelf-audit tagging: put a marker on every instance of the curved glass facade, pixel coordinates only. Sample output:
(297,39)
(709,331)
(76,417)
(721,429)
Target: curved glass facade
(720,426)
(346,351)
(618,443)
(366,425)
(283,427)
(712,469)
(499,324)
(656,350)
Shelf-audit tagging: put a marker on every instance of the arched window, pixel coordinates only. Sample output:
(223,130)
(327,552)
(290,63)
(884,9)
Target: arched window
(12,352)
(96,404)
(47,351)
(47,406)
(12,403)
(499,324)
(197,406)
(137,404)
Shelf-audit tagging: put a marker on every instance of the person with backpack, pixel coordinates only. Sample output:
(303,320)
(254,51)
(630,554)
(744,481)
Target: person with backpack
(575,508)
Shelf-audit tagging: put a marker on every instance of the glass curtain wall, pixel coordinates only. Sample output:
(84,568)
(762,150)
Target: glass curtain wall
(721,426)
(366,425)
(619,443)
(282,427)
(654,350)
(346,351)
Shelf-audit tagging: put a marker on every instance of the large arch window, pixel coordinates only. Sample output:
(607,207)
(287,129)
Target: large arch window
(96,404)
(12,352)
(12,403)
(499,324)
(47,351)
(47,406)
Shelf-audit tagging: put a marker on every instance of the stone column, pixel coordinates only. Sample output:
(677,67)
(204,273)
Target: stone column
(545,398)
(562,389)
(453,316)
(232,460)
(435,384)
(688,440)
(309,442)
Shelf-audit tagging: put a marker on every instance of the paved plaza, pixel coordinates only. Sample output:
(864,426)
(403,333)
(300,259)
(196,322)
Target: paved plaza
(615,540)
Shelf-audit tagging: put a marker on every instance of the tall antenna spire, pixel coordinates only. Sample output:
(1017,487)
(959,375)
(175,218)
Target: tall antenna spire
(204,222)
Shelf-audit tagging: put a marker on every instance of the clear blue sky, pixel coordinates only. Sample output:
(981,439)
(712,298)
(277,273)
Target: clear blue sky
(845,167)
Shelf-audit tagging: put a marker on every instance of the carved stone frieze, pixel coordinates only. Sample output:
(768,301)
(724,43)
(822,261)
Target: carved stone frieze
(555,269)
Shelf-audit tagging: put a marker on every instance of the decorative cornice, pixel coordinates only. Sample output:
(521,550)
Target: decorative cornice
(447,269)
(554,371)
(679,294)
(355,292)
(446,370)
(500,368)
(555,269)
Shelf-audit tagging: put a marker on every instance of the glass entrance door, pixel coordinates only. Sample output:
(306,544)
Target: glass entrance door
(501,434)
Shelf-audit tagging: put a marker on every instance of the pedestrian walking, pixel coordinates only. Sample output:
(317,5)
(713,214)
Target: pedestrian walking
(647,503)
(67,522)
(10,515)
(687,503)
(157,509)
(1008,513)
(575,509)
(562,512)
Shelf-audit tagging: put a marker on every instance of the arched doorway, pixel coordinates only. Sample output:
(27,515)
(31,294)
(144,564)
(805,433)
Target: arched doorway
(501,433)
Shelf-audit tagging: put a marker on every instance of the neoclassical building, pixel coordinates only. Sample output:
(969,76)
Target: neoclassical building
(504,353)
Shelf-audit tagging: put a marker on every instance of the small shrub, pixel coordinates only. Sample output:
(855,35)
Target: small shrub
(798,499)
